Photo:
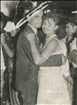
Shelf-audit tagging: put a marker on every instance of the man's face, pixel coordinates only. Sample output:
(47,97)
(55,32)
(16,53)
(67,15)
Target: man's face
(37,20)
(70,29)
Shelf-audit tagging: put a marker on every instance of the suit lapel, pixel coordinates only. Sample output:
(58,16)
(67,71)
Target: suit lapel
(28,47)
(28,28)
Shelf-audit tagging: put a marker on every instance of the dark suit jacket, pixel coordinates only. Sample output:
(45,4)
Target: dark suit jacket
(26,70)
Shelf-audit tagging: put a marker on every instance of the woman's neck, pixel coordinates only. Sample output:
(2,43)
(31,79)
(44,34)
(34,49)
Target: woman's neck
(49,35)
(64,40)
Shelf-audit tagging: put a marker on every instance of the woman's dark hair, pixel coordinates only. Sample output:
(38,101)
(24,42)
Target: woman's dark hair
(51,16)
(60,32)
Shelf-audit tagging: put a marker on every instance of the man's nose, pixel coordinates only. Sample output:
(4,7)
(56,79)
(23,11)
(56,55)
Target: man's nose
(66,29)
(41,20)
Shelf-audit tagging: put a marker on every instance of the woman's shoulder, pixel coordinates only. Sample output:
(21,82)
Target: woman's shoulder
(54,41)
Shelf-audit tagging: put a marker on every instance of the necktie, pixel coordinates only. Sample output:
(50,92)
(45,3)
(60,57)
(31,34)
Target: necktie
(37,41)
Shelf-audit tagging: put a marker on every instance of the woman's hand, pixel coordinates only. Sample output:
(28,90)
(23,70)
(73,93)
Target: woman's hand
(30,37)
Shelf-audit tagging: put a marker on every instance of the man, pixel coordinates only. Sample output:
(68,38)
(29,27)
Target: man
(26,70)
(71,29)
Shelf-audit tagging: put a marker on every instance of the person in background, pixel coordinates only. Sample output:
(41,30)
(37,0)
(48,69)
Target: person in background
(7,54)
(71,29)
(61,31)
(62,34)
(52,80)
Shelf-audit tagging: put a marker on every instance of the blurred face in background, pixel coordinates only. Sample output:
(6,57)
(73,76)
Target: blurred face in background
(49,26)
(71,28)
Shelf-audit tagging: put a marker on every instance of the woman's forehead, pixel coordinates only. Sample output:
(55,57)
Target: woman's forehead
(49,20)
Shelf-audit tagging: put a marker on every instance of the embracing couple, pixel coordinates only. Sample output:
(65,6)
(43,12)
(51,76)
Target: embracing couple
(42,75)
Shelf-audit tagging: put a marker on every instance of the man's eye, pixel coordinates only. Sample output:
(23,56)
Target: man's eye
(36,16)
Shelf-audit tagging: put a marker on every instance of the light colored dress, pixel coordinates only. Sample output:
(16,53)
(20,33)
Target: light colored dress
(52,85)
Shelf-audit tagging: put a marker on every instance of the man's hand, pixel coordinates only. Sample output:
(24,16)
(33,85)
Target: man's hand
(30,37)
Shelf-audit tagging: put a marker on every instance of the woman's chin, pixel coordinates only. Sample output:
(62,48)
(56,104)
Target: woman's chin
(47,32)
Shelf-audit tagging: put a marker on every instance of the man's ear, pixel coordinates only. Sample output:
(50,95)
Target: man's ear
(56,27)
(75,28)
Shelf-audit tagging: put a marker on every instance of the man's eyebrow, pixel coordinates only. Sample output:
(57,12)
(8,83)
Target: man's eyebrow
(36,16)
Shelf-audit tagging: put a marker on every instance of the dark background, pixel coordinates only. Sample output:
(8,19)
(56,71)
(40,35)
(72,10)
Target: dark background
(63,8)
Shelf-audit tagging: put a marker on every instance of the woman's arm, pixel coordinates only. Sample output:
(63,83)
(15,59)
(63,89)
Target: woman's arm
(9,52)
(39,58)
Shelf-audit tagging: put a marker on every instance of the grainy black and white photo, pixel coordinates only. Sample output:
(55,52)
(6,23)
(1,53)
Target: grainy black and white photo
(38,52)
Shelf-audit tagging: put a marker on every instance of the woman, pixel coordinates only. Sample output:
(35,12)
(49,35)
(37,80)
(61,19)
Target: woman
(7,57)
(7,54)
(52,80)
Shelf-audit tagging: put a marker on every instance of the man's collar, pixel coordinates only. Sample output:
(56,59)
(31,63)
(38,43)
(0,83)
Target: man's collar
(35,31)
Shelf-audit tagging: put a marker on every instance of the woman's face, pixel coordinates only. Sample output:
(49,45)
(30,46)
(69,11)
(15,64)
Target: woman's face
(49,26)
